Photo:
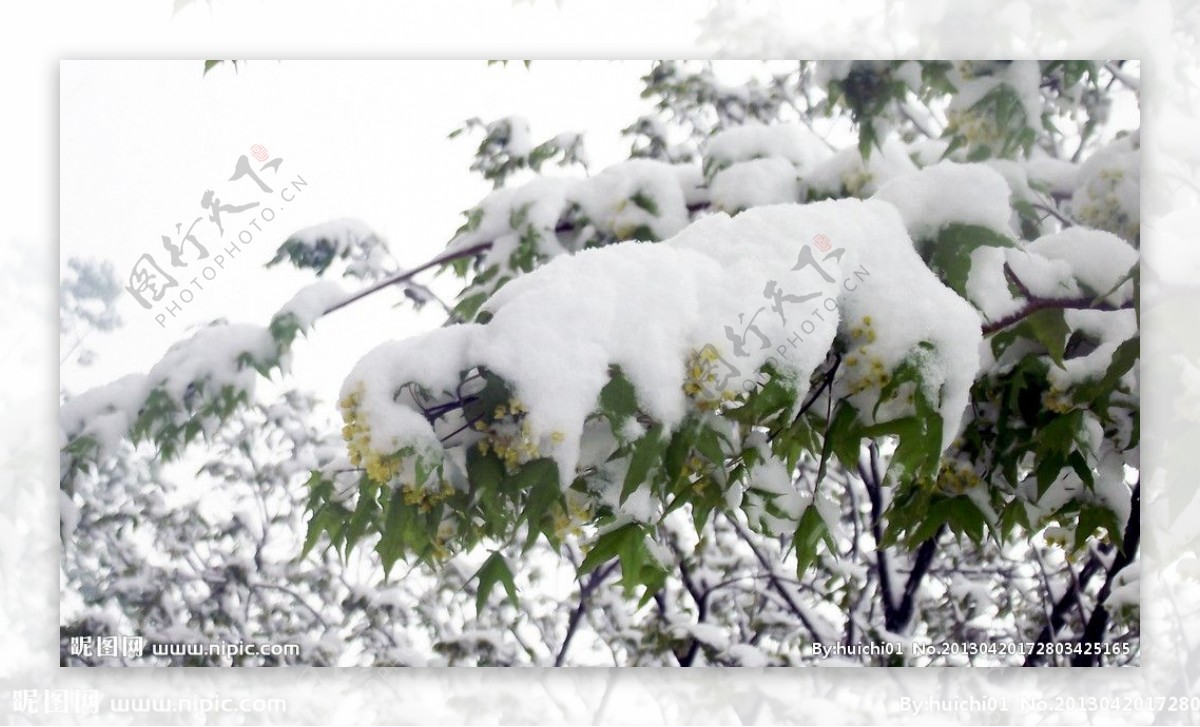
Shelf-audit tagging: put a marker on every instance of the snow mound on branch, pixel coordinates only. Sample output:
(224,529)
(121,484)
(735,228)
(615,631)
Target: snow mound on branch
(633,194)
(343,234)
(754,183)
(105,413)
(1108,189)
(555,332)
(541,202)
(311,302)
(1099,260)
(354,241)
(790,142)
(215,357)
(433,360)
(950,193)
(846,172)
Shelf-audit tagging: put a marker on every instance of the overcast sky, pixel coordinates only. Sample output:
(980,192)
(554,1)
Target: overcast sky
(142,141)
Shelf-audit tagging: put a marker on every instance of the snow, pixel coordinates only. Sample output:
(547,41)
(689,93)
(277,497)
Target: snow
(209,358)
(638,193)
(555,332)
(542,201)
(1108,189)
(950,193)
(1098,260)
(1109,329)
(705,633)
(987,287)
(610,198)
(343,234)
(349,239)
(1043,277)
(752,183)
(845,174)
(1111,489)
(211,355)
(793,143)
(927,152)
(520,140)
(1056,176)
(1127,588)
(748,655)
(311,302)
(976,79)
(105,413)
(378,382)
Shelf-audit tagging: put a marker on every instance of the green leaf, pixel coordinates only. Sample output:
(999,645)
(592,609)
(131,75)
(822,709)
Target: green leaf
(618,400)
(482,406)
(539,480)
(1093,516)
(709,443)
(485,472)
(607,546)
(392,538)
(494,570)
(843,439)
(807,537)
(966,517)
(949,254)
(646,452)
(676,455)
(644,201)
(1049,327)
(1098,392)
(469,306)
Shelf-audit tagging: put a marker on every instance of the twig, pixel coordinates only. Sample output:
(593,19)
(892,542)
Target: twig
(1035,304)
(408,274)
(1093,632)
(585,591)
(776,584)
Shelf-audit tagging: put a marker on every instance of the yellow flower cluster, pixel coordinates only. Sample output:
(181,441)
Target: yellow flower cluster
(570,521)
(979,129)
(1059,536)
(1103,210)
(865,369)
(511,436)
(957,477)
(701,377)
(425,498)
(1056,400)
(856,180)
(380,467)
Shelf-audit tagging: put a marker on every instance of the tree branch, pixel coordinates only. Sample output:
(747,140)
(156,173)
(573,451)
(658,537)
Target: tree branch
(408,274)
(585,591)
(908,602)
(1093,632)
(1058,615)
(1035,304)
(701,599)
(776,584)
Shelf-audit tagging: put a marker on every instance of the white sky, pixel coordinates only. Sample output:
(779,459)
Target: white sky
(141,141)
